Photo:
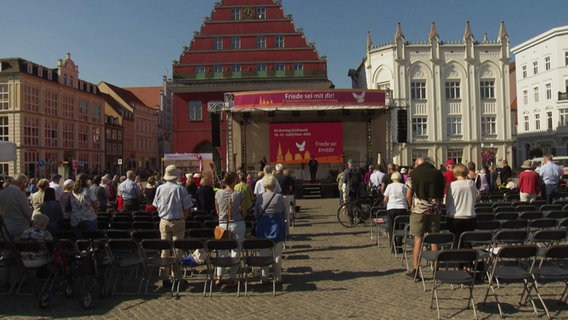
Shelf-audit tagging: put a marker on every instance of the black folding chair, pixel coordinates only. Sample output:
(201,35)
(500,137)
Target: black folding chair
(158,255)
(513,264)
(553,268)
(444,241)
(185,248)
(258,253)
(451,272)
(217,257)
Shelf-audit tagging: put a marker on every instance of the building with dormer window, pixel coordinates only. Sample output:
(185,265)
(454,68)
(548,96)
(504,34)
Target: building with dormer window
(55,118)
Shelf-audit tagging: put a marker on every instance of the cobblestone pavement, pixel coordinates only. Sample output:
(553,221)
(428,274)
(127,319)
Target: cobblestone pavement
(330,273)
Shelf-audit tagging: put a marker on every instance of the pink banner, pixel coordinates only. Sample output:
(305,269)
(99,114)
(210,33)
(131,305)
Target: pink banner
(261,99)
(296,143)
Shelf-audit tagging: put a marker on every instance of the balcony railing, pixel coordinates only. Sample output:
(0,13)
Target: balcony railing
(250,75)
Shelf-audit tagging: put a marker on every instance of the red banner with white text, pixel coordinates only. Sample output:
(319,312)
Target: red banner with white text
(295,143)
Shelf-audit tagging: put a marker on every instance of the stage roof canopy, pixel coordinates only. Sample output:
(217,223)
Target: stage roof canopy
(305,100)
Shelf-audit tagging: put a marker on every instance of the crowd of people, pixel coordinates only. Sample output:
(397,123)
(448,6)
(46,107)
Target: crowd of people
(37,209)
(422,190)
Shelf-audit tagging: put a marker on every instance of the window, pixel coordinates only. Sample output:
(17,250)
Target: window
(31,99)
(452,90)
(487,88)
(235,42)
(199,69)
(535,92)
(68,135)
(236,13)
(31,132)
(548,91)
(4,97)
(419,126)
(261,13)
(419,153)
(547,63)
(96,115)
(563,117)
(525,97)
(218,71)
(549,120)
(195,113)
(566,58)
(68,107)
(298,69)
(261,42)
(279,41)
(50,102)
(51,133)
(454,126)
(83,111)
(261,70)
(526,122)
(524,71)
(31,159)
(236,68)
(217,43)
(455,154)
(488,125)
(4,129)
(535,67)
(280,69)
(537,121)
(418,90)
(83,137)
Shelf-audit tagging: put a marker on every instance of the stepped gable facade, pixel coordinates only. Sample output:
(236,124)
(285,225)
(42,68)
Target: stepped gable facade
(244,45)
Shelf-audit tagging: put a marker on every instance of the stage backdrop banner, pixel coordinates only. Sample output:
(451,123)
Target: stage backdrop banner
(296,143)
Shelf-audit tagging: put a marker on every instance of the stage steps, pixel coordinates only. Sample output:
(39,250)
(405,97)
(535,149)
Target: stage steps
(312,191)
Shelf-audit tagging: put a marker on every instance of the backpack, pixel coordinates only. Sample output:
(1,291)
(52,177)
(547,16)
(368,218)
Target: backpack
(354,179)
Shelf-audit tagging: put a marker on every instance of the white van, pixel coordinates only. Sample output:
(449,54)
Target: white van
(562,161)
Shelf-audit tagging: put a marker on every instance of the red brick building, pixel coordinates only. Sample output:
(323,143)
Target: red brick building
(243,45)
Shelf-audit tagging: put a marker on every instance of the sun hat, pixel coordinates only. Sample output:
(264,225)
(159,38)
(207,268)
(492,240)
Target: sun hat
(172,173)
(526,165)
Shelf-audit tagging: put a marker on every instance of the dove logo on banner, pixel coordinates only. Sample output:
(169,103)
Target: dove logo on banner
(359,97)
(296,143)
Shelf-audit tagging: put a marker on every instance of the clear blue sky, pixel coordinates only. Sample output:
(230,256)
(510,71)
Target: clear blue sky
(133,42)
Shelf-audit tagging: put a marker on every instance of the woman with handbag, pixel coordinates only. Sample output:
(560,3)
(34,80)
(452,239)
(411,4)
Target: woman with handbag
(232,211)
(270,224)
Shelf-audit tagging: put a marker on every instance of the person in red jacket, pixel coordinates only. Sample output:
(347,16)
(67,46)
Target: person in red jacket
(449,174)
(529,183)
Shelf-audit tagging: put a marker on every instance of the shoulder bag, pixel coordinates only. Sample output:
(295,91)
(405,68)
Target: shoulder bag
(221,233)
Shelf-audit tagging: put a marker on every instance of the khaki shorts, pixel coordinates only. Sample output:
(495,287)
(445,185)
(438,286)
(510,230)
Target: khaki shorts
(422,223)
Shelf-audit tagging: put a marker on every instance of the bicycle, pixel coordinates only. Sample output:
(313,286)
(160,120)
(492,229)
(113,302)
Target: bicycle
(351,213)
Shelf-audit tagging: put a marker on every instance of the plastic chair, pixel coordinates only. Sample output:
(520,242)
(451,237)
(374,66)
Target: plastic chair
(255,256)
(451,272)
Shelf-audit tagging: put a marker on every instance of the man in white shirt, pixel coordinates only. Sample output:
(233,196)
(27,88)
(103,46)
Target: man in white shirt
(55,179)
(376,178)
(551,174)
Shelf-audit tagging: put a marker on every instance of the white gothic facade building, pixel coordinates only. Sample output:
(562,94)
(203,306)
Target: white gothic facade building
(542,94)
(455,94)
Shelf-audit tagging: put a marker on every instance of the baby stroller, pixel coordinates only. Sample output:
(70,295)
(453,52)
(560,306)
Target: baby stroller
(80,267)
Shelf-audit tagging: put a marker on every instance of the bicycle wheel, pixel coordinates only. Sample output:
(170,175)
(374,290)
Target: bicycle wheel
(343,216)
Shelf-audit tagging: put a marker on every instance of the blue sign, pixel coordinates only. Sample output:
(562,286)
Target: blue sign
(41,163)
